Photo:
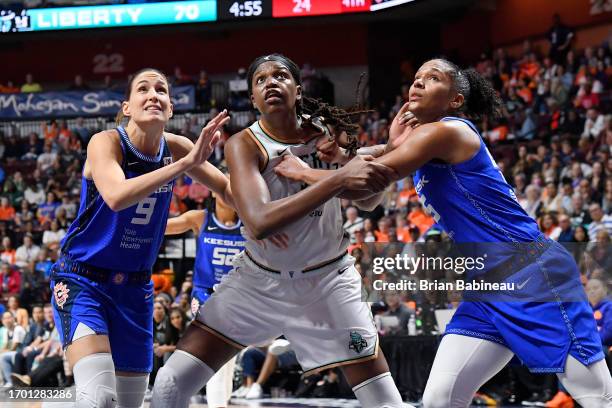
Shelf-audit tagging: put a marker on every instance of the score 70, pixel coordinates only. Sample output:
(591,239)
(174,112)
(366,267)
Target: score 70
(186,12)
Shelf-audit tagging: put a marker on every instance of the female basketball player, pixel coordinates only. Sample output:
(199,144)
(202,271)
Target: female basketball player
(459,183)
(310,292)
(102,282)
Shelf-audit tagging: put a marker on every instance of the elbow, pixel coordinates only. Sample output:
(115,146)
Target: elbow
(261,232)
(259,229)
(114,202)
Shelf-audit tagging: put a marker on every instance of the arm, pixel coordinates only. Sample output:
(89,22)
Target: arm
(294,168)
(191,220)
(263,216)
(428,142)
(104,157)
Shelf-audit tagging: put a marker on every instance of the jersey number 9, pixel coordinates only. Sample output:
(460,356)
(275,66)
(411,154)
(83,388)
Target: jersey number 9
(145,209)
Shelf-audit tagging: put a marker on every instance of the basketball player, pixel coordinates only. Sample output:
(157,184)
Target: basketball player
(460,184)
(309,292)
(102,290)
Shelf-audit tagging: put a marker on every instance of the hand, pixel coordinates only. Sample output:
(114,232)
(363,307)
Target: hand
(160,351)
(291,167)
(330,152)
(402,125)
(363,173)
(39,358)
(207,141)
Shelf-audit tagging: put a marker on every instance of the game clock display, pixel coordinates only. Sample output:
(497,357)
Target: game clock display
(243,9)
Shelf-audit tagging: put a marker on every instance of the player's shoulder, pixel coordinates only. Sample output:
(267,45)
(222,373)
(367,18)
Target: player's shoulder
(106,141)
(240,141)
(105,136)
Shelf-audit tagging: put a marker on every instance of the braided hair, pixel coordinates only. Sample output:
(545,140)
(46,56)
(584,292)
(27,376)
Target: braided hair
(311,109)
(480,98)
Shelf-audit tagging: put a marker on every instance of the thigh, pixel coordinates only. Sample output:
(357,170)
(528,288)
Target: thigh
(589,385)
(462,365)
(77,302)
(336,329)
(131,328)
(243,310)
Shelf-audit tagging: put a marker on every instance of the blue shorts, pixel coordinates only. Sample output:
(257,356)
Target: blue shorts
(540,333)
(122,311)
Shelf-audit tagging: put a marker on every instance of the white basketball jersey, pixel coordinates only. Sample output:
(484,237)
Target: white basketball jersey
(314,239)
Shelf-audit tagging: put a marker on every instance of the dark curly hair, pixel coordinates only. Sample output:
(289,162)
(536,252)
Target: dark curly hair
(337,117)
(480,98)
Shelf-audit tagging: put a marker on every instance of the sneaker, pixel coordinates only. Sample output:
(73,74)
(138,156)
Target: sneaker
(537,399)
(560,400)
(21,380)
(241,392)
(256,392)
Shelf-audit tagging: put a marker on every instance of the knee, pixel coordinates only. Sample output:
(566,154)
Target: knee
(165,393)
(438,394)
(100,397)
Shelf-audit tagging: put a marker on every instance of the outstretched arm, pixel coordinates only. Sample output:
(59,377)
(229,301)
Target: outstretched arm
(424,143)
(263,216)
(191,220)
(104,158)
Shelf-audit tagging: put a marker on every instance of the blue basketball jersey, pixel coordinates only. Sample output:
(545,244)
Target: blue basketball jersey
(216,247)
(472,201)
(126,240)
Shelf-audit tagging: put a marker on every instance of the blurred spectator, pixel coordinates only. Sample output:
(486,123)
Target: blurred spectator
(53,236)
(26,253)
(560,37)
(34,194)
(8,252)
(204,91)
(30,342)
(7,212)
(79,84)
(82,131)
(353,222)
(10,279)
(9,88)
(549,226)
(602,309)
(11,336)
(46,210)
(30,85)
(46,159)
(397,309)
(238,87)
(600,221)
(19,313)
(567,232)
(594,123)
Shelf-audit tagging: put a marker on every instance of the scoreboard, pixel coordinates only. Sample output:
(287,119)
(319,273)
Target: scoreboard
(177,12)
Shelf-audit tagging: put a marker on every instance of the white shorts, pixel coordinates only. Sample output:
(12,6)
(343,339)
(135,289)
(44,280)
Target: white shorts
(320,312)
